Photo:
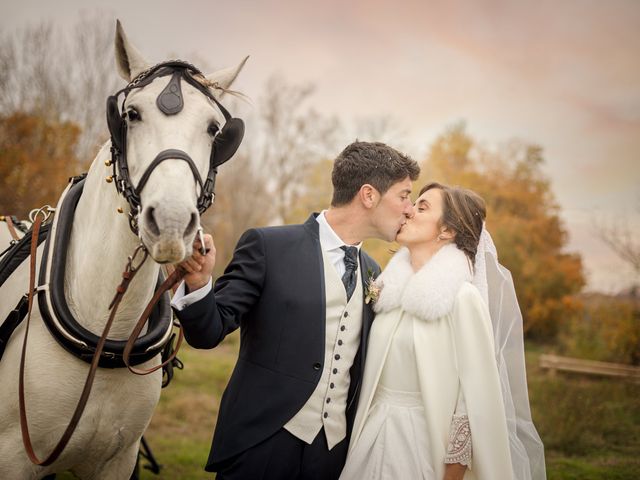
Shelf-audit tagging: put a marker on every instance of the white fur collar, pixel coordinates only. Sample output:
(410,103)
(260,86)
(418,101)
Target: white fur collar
(430,292)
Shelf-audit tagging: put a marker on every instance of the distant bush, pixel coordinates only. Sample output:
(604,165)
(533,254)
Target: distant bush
(575,415)
(605,328)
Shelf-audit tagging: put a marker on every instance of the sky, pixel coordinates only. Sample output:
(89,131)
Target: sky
(564,75)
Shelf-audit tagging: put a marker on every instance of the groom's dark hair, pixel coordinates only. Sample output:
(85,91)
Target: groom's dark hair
(374,163)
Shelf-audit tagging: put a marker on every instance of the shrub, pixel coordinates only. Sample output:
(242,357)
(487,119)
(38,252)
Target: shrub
(578,416)
(605,329)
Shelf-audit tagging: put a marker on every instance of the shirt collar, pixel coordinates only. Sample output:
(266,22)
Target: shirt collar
(329,239)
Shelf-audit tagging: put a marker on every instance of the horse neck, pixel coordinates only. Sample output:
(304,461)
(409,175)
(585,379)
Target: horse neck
(97,255)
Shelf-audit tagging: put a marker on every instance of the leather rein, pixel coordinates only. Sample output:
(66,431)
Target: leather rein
(11,227)
(12,224)
(127,276)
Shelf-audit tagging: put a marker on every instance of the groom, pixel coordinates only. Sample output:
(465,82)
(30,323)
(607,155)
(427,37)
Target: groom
(297,294)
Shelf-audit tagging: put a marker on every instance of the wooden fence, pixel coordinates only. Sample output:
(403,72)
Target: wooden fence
(590,367)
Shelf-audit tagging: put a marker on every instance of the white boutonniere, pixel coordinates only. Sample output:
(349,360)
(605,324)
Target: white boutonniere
(372,289)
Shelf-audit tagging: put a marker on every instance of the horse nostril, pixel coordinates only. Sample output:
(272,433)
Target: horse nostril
(193,224)
(150,218)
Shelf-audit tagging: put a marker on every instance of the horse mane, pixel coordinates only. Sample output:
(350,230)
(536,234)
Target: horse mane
(202,80)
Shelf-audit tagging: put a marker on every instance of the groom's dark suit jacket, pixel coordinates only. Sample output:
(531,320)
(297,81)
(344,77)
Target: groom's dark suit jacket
(274,290)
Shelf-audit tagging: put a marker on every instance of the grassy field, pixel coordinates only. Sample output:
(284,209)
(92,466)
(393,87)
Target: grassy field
(590,427)
(182,426)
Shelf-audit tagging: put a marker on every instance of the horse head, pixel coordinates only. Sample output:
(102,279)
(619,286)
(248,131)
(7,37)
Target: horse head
(168,137)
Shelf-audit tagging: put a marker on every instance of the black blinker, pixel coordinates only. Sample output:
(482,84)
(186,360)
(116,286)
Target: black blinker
(227,142)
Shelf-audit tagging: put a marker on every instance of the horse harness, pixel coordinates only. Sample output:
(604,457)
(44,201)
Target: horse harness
(99,351)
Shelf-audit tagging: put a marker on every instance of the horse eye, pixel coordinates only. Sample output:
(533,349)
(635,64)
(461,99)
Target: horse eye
(132,115)
(213,129)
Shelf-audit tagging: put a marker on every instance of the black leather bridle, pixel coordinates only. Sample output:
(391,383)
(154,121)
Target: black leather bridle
(170,102)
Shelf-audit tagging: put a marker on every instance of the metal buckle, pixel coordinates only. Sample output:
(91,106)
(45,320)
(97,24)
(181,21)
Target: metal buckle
(140,248)
(203,250)
(46,212)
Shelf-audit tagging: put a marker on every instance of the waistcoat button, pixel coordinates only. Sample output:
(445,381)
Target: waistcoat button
(317,366)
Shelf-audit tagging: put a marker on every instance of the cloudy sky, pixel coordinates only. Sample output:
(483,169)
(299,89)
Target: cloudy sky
(565,75)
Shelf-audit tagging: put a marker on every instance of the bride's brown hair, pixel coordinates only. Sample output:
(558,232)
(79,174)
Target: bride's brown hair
(463,212)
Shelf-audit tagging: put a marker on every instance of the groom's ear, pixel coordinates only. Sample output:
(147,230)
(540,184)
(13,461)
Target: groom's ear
(368,195)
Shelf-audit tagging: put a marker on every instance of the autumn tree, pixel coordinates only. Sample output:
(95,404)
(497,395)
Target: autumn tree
(36,158)
(523,218)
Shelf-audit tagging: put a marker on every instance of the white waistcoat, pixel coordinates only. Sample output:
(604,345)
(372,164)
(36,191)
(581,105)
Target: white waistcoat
(327,404)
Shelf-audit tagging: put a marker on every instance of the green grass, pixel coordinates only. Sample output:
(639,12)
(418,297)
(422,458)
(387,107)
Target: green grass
(590,427)
(604,468)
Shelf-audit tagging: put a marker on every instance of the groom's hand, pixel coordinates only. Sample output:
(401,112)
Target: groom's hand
(200,267)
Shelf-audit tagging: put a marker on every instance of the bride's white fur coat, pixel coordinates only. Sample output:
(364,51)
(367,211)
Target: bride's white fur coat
(454,353)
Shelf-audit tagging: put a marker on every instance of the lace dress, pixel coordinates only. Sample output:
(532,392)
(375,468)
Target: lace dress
(394,443)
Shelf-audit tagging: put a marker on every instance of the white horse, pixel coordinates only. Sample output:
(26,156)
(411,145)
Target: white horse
(121,404)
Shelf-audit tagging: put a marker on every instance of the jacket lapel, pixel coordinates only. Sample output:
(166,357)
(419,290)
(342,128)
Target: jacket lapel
(317,269)
(366,269)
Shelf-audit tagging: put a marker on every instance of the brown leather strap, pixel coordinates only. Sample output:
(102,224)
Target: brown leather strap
(127,277)
(169,268)
(171,281)
(11,227)
(84,397)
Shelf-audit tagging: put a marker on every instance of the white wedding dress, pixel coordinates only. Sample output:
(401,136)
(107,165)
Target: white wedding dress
(394,443)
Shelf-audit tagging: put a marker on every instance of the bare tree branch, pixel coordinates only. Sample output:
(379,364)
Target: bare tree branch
(294,138)
(61,76)
(622,239)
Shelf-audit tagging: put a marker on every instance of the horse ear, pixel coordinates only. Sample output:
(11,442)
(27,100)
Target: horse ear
(129,60)
(225,77)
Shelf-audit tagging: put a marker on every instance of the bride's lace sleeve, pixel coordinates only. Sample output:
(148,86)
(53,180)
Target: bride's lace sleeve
(459,447)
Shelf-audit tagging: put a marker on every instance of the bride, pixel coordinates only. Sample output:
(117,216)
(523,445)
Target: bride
(438,400)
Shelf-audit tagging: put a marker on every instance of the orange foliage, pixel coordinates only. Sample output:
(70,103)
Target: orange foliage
(522,217)
(605,328)
(36,159)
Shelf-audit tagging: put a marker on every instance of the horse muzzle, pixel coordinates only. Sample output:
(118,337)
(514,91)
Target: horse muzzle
(168,231)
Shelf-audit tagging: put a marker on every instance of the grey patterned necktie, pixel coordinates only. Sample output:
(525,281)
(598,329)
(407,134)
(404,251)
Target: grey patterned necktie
(351,264)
